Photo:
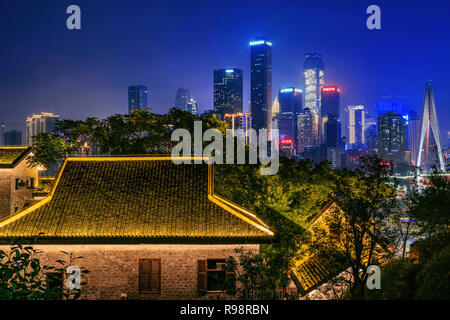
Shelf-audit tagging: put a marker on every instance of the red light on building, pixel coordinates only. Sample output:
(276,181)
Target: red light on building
(330,89)
(286,141)
(385,163)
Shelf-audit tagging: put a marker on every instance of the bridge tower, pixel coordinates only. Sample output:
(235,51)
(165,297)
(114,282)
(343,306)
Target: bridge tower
(429,121)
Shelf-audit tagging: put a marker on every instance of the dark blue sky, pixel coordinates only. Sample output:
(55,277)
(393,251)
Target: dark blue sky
(169,44)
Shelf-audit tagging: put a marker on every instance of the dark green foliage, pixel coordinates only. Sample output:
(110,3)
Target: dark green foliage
(22,277)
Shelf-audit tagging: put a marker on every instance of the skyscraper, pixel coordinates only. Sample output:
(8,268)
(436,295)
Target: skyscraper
(306,124)
(413,129)
(332,131)
(39,123)
(13,138)
(261,83)
(192,106)
(355,127)
(228,91)
(182,98)
(290,100)
(314,80)
(429,139)
(329,105)
(137,98)
(391,137)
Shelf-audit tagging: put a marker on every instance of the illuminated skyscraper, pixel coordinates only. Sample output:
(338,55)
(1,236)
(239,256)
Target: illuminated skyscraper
(39,123)
(391,137)
(261,83)
(137,98)
(290,100)
(329,105)
(182,98)
(192,107)
(427,136)
(413,128)
(306,124)
(228,91)
(355,127)
(314,80)
(275,107)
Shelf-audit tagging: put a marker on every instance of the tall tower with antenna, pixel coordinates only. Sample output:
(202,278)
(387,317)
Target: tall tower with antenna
(429,121)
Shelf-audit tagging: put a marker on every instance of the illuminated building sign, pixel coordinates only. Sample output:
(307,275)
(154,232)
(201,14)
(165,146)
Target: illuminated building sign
(290,90)
(229,71)
(286,141)
(330,89)
(260,42)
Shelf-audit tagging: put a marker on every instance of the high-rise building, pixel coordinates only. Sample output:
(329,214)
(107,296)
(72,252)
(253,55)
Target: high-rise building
(261,83)
(137,98)
(332,131)
(430,140)
(39,123)
(314,80)
(413,130)
(306,125)
(290,100)
(182,99)
(228,91)
(275,107)
(355,127)
(391,137)
(329,105)
(13,138)
(192,106)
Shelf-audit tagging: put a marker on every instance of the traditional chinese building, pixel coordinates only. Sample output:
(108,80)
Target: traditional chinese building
(146,227)
(17,179)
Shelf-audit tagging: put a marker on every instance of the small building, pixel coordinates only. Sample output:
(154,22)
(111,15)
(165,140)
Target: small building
(17,179)
(145,227)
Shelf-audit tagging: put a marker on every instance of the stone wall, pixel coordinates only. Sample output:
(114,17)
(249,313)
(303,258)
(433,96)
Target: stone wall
(114,269)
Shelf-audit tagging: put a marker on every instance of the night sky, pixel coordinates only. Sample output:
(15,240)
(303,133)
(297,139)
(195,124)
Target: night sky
(167,44)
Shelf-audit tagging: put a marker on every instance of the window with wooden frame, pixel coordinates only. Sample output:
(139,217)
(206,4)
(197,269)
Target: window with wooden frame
(149,275)
(211,275)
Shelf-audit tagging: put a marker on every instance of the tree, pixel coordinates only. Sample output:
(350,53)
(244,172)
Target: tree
(356,233)
(430,205)
(50,150)
(22,277)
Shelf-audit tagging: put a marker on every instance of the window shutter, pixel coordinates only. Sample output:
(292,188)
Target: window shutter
(155,277)
(201,276)
(144,275)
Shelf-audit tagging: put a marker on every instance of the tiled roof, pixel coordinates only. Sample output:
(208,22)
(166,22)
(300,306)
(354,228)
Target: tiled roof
(10,156)
(137,199)
(316,269)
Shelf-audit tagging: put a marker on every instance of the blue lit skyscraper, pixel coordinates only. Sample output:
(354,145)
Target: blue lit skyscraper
(228,91)
(290,100)
(137,98)
(261,83)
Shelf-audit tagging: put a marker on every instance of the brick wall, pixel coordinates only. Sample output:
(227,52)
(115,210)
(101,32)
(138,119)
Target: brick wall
(10,198)
(114,269)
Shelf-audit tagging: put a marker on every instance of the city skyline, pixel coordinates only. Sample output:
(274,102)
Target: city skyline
(59,76)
